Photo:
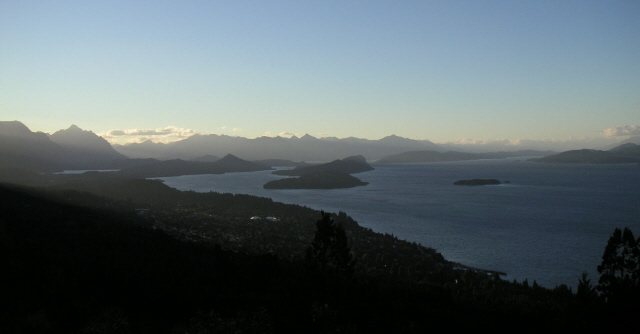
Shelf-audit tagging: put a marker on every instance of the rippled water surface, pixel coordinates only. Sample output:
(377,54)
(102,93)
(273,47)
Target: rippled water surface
(549,224)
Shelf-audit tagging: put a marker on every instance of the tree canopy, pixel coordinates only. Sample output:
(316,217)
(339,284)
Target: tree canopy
(330,248)
(619,271)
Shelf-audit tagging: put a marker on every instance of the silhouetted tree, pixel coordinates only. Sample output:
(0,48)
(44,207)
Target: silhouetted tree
(586,291)
(330,248)
(620,269)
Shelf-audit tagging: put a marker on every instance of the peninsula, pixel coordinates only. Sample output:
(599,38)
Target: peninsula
(349,165)
(477,182)
(625,153)
(326,179)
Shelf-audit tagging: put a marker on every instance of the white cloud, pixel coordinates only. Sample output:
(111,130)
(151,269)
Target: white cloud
(160,135)
(626,130)
(286,134)
(484,145)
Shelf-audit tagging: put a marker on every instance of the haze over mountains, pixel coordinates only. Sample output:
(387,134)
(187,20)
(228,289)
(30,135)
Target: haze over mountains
(74,148)
(305,148)
(65,149)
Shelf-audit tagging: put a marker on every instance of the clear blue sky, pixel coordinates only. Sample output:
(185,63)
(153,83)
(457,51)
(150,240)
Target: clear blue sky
(437,70)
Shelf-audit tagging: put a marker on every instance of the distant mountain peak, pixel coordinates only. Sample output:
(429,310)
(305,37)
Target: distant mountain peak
(230,157)
(74,127)
(13,128)
(623,147)
(237,164)
(394,138)
(85,143)
(73,133)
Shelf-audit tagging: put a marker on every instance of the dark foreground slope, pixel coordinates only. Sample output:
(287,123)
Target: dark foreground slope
(112,265)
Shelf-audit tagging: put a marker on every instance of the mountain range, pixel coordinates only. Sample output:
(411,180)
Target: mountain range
(72,148)
(625,153)
(305,148)
(436,156)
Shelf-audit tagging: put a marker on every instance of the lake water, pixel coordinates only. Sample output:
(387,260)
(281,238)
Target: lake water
(549,224)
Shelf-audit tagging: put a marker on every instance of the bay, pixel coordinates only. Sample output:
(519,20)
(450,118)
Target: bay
(549,224)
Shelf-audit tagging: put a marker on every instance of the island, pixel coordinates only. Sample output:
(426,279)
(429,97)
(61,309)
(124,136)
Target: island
(325,179)
(477,182)
(349,165)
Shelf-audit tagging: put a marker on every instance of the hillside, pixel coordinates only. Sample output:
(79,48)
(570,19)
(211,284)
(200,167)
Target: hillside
(84,142)
(85,149)
(22,148)
(82,261)
(305,148)
(325,179)
(626,153)
(349,165)
(157,168)
(437,156)
(72,148)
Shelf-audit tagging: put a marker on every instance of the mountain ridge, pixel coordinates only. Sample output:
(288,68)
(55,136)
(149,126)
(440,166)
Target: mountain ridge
(435,156)
(305,148)
(349,165)
(625,153)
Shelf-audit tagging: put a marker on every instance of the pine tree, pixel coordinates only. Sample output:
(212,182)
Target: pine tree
(330,248)
(586,291)
(619,281)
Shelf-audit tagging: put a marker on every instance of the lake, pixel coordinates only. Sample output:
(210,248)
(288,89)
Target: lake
(549,224)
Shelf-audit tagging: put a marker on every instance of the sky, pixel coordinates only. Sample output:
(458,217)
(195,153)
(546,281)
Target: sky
(445,71)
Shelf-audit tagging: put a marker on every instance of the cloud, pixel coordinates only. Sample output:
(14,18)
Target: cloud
(283,134)
(287,135)
(160,135)
(116,133)
(469,141)
(226,128)
(626,130)
(483,145)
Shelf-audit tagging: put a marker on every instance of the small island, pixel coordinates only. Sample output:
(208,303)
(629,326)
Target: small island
(327,179)
(477,182)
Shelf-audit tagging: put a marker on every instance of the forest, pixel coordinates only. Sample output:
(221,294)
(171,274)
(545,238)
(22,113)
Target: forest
(94,253)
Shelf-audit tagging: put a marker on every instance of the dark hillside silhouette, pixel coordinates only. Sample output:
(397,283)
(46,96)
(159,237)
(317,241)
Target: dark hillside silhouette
(626,153)
(324,179)
(349,165)
(305,148)
(66,149)
(68,268)
(19,147)
(439,156)
(157,168)
(85,147)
